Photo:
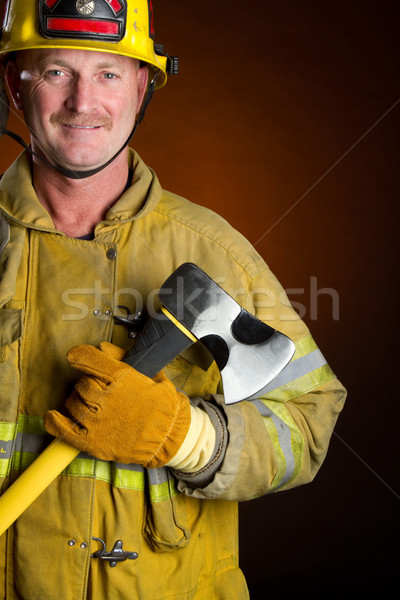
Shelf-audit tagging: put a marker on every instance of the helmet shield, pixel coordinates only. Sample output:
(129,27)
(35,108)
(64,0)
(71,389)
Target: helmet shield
(83,19)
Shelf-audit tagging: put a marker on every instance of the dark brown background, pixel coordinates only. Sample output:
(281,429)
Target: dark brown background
(288,107)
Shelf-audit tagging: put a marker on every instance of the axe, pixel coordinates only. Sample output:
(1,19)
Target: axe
(248,352)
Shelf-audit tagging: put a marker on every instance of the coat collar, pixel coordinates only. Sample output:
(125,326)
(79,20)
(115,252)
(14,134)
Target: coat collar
(19,202)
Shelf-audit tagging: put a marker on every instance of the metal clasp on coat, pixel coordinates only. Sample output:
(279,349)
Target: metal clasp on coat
(134,322)
(116,555)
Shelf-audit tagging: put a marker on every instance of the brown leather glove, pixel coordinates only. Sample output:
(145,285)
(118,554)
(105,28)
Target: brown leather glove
(119,414)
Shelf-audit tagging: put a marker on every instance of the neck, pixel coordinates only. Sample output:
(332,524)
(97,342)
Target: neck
(76,206)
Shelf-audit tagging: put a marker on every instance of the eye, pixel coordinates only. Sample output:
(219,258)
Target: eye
(110,76)
(54,73)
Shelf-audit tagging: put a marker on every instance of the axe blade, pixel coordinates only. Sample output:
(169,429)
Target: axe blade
(248,352)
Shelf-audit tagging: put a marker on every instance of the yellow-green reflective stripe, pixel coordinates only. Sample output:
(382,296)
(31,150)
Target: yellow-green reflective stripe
(129,480)
(7,431)
(122,478)
(7,435)
(4,463)
(33,425)
(306,371)
(286,438)
(80,467)
(30,437)
(304,346)
(297,444)
(163,491)
(273,433)
(22,460)
(301,386)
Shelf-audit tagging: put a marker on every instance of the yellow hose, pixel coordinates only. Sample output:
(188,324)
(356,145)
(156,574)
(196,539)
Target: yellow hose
(34,480)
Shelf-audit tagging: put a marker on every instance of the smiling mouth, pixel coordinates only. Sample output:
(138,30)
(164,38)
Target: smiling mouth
(82,126)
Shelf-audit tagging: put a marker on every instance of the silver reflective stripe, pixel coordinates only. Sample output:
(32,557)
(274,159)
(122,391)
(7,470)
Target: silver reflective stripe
(157,476)
(296,369)
(6,449)
(126,467)
(4,233)
(30,442)
(284,438)
(36,443)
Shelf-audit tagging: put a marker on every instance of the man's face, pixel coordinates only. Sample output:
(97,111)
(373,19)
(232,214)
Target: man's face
(79,105)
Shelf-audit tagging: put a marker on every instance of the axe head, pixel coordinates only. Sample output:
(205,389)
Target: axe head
(248,352)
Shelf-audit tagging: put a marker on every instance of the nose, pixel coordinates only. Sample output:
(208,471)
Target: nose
(83,96)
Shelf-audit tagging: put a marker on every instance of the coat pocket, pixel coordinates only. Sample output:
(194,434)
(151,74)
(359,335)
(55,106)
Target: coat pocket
(166,526)
(10,325)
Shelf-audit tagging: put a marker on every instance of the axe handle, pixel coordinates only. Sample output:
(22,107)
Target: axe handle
(34,480)
(160,341)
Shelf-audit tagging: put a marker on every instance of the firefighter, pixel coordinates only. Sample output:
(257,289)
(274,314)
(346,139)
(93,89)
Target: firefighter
(148,509)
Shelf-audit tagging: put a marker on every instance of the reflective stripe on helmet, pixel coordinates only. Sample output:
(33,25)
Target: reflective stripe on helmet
(66,25)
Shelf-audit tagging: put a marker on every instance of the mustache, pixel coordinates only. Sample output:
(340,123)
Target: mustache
(81,120)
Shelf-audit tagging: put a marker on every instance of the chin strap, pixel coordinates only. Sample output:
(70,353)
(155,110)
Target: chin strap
(71,174)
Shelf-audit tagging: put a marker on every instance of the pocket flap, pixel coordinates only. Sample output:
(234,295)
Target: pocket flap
(10,325)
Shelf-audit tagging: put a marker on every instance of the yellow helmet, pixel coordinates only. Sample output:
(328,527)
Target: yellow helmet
(117,26)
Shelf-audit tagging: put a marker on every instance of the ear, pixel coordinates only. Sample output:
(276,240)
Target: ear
(13,78)
(142,78)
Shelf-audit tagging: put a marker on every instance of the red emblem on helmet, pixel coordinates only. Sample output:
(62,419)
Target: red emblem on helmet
(103,20)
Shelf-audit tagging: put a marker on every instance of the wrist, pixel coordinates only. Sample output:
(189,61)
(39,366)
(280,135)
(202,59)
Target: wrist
(198,445)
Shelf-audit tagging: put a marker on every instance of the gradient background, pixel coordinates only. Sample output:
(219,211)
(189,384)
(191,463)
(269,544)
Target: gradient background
(284,120)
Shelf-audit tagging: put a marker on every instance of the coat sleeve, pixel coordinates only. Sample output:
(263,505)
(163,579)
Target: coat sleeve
(281,439)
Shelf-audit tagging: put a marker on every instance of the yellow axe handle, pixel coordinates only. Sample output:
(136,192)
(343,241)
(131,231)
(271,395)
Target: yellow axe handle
(34,480)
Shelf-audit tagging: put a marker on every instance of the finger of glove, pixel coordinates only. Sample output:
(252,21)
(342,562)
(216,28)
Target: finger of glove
(61,426)
(83,410)
(166,383)
(112,350)
(74,435)
(70,432)
(92,361)
(160,377)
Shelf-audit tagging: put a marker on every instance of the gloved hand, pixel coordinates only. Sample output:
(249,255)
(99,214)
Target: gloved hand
(119,414)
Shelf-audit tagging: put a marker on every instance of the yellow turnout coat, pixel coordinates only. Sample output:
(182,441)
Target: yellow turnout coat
(56,292)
